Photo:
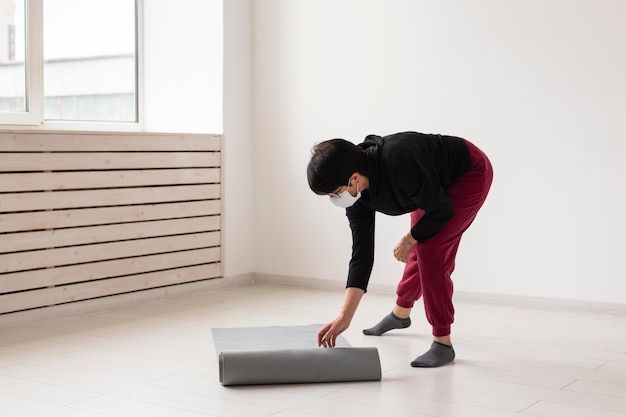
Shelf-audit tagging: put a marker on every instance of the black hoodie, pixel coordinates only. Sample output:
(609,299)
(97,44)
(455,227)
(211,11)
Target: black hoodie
(406,171)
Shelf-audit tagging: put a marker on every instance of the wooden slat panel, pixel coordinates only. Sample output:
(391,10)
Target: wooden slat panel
(103,251)
(65,294)
(31,221)
(20,281)
(107,197)
(85,142)
(86,215)
(47,239)
(20,162)
(106,179)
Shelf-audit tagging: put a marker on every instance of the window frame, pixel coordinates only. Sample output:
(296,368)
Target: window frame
(33,118)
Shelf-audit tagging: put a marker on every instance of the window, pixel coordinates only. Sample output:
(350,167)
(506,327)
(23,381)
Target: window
(12,66)
(68,60)
(160,61)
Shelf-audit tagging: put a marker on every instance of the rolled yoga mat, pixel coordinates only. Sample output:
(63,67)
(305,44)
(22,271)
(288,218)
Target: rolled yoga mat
(289,355)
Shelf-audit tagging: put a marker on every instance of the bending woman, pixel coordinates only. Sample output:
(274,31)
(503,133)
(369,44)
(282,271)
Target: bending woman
(442,181)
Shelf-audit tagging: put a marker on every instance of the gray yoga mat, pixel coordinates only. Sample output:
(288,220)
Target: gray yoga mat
(289,355)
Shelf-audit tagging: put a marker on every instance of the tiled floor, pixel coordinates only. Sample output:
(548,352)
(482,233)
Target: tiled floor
(158,359)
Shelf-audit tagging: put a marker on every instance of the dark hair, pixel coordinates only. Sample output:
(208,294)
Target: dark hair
(332,163)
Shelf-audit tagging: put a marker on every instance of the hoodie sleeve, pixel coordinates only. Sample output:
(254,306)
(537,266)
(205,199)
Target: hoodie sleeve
(419,180)
(362,221)
(438,211)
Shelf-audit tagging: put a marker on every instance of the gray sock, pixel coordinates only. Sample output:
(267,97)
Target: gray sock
(389,322)
(438,354)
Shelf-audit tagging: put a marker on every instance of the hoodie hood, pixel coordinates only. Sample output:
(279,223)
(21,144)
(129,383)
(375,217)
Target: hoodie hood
(371,143)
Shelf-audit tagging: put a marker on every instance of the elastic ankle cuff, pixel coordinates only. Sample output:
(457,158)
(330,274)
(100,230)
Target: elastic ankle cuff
(441,331)
(401,302)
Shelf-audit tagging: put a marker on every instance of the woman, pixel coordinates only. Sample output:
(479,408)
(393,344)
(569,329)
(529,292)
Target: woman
(442,181)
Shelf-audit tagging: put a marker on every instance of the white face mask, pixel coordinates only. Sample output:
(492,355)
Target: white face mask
(345,199)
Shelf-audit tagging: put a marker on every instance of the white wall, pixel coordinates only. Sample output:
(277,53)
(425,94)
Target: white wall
(182,66)
(237,138)
(538,85)
(184,94)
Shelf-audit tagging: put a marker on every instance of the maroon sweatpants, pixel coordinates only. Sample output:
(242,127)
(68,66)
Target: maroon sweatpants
(428,271)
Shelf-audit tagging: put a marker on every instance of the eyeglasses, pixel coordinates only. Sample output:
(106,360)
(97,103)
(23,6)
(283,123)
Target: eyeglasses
(335,194)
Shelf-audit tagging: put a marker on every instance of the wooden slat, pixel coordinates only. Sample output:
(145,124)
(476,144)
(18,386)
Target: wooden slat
(85,142)
(88,290)
(22,162)
(31,221)
(108,197)
(47,239)
(106,179)
(104,251)
(86,215)
(20,281)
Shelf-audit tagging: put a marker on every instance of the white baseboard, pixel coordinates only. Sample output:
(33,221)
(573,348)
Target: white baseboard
(96,305)
(166,293)
(551,304)
(301,282)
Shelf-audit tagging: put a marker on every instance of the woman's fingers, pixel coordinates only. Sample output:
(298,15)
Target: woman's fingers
(327,336)
(402,250)
(321,336)
(328,340)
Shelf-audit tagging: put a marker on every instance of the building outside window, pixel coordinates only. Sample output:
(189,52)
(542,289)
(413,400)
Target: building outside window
(88,59)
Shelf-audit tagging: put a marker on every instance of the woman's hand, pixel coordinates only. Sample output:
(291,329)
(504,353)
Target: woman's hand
(327,336)
(403,248)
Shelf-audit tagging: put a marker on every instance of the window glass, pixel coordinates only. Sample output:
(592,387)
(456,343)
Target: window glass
(89,70)
(12,66)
